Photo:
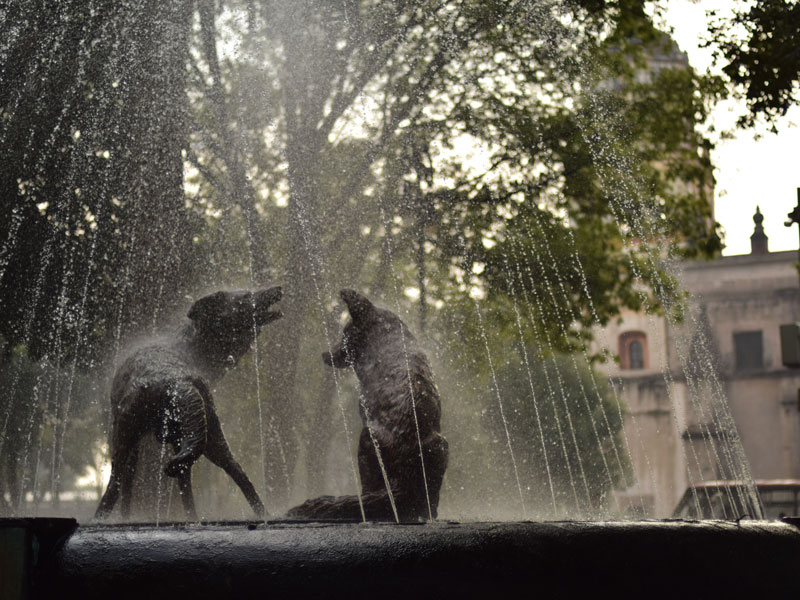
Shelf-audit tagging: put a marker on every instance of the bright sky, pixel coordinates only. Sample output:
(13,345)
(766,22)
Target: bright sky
(749,172)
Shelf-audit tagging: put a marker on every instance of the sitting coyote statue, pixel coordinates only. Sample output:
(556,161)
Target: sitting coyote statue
(402,454)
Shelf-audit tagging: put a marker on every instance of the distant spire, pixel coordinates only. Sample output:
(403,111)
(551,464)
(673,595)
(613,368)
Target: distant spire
(758,241)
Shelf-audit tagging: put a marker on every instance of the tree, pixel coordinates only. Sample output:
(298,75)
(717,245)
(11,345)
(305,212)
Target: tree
(94,224)
(329,150)
(568,432)
(758,46)
(409,79)
(95,234)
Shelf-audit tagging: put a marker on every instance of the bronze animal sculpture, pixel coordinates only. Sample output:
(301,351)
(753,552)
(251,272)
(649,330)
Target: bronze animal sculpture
(164,388)
(402,455)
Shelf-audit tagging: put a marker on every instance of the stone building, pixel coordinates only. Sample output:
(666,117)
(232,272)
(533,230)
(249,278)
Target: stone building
(674,378)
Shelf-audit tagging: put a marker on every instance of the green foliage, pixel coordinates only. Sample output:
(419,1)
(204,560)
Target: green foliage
(537,428)
(344,129)
(95,238)
(757,46)
(50,427)
(565,428)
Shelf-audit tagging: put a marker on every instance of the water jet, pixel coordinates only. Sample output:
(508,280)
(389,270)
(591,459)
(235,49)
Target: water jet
(485,171)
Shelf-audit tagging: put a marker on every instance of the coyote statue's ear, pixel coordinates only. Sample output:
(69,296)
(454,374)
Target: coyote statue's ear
(357,305)
(207,306)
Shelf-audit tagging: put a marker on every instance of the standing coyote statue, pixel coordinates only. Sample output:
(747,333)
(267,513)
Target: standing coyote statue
(165,389)
(402,454)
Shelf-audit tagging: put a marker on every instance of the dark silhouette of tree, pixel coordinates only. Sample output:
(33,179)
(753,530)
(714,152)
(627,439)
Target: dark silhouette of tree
(758,48)
(95,233)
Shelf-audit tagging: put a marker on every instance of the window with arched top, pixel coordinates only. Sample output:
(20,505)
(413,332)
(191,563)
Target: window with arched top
(633,350)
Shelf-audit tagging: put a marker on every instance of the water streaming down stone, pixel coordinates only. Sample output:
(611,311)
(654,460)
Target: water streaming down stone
(157,153)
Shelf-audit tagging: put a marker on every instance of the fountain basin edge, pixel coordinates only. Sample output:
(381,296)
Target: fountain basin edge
(57,558)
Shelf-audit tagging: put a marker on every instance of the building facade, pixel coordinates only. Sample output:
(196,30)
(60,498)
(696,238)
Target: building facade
(681,382)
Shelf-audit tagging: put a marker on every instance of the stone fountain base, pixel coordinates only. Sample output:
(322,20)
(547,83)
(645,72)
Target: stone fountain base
(56,558)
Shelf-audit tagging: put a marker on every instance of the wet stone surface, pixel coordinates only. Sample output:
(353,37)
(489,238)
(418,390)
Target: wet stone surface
(551,559)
